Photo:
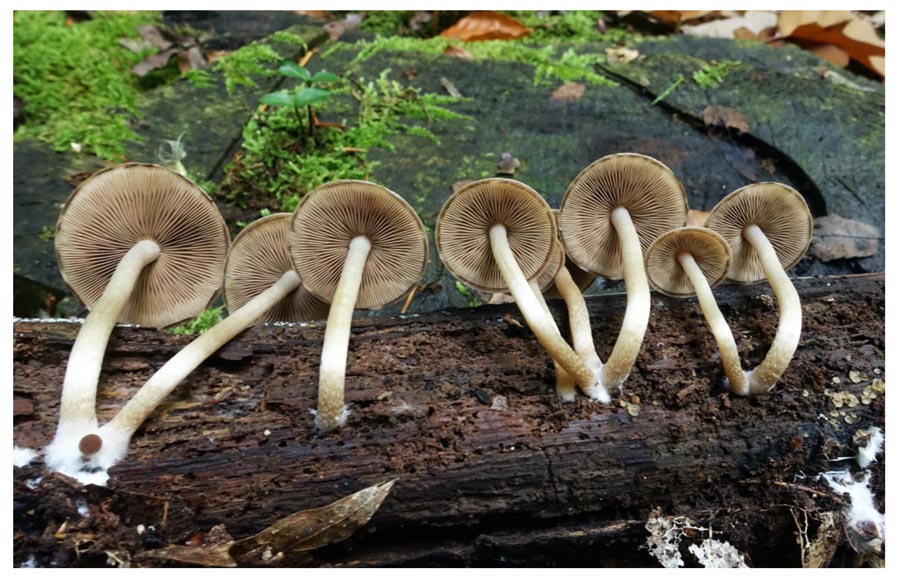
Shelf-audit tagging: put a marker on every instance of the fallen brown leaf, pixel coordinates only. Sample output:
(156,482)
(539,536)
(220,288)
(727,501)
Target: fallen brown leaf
(751,24)
(336,28)
(296,534)
(487,26)
(720,116)
(568,92)
(833,54)
(191,59)
(837,27)
(315,14)
(153,62)
(455,51)
(835,237)
(676,17)
(459,184)
(621,54)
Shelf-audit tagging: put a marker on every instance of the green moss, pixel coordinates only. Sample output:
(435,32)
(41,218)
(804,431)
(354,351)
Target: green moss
(385,22)
(278,164)
(199,78)
(550,62)
(75,81)
(577,26)
(712,74)
(206,320)
(472,299)
(249,61)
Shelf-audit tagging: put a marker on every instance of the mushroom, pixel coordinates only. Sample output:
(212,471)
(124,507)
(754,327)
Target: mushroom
(260,285)
(565,384)
(497,234)
(612,210)
(354,244)
(690,260)
(135,243)
(768,227)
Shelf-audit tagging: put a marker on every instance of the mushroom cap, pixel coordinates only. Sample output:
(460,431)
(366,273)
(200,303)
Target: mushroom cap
(118,207)
(650,191)
(462,233)
(778,210)
(258,258)
(329,217)
(580,277)
(710,251)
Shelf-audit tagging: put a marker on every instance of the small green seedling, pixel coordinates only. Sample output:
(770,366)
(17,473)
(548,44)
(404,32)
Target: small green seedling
(306,94)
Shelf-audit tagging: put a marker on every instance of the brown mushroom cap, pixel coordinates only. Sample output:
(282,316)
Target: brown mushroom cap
(652,194)
(778,210)
(118,207)
(462,233)
(258,258)
(332,215)
(710,251)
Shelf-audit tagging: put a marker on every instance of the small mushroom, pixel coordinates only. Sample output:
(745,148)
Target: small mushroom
(690,260)
(260,285)
(768,227)
(135,243)
(565,384)
(497,234)
(612,210)
(354,244)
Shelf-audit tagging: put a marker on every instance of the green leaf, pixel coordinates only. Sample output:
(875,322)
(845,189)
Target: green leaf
(310,95)
(290,69)
(324,77)
(279,98)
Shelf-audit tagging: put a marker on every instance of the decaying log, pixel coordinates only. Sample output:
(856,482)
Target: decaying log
(459,406)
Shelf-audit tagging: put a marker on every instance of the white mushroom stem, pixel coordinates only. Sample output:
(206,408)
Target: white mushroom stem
(117,433)
(763,378)
(77,409)
(565,385)
(637,311)
(540,322)
(721,331)
(331,412)
(579,320)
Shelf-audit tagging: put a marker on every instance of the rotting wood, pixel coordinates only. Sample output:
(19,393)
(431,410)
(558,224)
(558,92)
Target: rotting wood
(527,482)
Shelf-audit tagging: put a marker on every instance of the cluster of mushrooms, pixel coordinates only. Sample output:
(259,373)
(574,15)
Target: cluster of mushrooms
(138,243)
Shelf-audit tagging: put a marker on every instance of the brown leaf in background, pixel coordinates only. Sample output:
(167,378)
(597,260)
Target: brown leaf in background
(455,51)
(835,237)
(336,28)
(720,116)
(568,92)
(153,62)
(487,26)
(840,28)
(191,59)
(459,184)
(315,14)
(748,25)
(676,17)
(621,54)
(833,54)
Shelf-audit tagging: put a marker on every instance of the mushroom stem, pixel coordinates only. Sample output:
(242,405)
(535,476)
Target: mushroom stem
(579,320)
(331,412)
(118,431)
(763,378)
(565,385)
(720,329)
(541,324)
(637,310)
(79,395)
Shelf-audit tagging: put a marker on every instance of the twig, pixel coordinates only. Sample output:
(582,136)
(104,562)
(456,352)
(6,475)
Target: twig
(409,298)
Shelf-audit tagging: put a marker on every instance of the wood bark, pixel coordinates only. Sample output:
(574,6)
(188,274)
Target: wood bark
(459,406)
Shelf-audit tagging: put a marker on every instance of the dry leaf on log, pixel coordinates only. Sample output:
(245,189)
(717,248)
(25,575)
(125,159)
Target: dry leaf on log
(508,164)
(451,88)
(839,28)
(568,92)
(835,237)
(697,217)
(455,51)
(720,116)
(293,536)
(748,25)
(487,26)
(336,28)
(621,54)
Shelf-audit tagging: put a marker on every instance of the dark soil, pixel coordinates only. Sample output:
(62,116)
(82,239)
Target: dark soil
(459,406)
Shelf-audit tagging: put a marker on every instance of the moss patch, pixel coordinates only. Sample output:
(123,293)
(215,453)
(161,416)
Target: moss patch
(278,163)
(75,81)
